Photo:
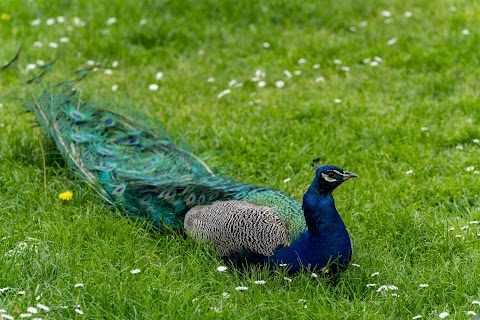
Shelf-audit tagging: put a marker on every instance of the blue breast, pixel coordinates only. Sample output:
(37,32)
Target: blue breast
(325,243)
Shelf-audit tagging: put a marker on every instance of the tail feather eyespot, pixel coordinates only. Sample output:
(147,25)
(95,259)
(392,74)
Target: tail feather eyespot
(105,151)
(190,200)
(240,195)
(108,121)
(133,141)
(146,199)
(78,116)
(119,189)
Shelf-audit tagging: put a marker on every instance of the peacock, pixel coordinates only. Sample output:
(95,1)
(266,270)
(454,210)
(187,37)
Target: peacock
(142,173)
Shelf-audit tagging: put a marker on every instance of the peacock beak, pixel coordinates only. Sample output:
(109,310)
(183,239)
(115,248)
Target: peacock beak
(348,175)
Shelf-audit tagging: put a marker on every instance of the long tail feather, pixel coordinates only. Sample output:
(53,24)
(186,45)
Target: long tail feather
(131,166)
(12,62)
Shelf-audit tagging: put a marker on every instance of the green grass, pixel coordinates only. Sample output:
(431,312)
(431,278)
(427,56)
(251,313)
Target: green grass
(399,222)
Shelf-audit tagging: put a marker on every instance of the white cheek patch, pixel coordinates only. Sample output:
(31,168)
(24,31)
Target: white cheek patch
(328,179)
(340,173)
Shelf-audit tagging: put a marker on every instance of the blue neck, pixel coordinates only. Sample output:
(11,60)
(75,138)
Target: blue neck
(320,213)
(325,240)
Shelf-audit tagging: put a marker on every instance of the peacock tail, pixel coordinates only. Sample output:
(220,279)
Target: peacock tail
(140,170)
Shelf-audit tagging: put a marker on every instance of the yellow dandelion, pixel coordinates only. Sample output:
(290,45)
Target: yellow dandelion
(66,196)
(5,16)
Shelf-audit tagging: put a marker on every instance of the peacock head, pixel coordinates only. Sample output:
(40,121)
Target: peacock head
(329,177)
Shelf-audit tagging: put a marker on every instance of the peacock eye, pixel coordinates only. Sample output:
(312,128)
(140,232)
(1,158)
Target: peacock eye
(331,174)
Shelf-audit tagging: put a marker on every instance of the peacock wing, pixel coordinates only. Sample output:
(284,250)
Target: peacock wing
(237,226)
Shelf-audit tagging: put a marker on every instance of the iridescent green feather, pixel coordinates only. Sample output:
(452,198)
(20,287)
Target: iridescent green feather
(136,169)
(289,210)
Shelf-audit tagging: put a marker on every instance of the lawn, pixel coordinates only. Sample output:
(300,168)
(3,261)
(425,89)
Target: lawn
(386,89)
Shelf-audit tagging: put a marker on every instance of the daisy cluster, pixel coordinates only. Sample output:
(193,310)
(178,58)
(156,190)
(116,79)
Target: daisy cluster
(385,290)
(37,312)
